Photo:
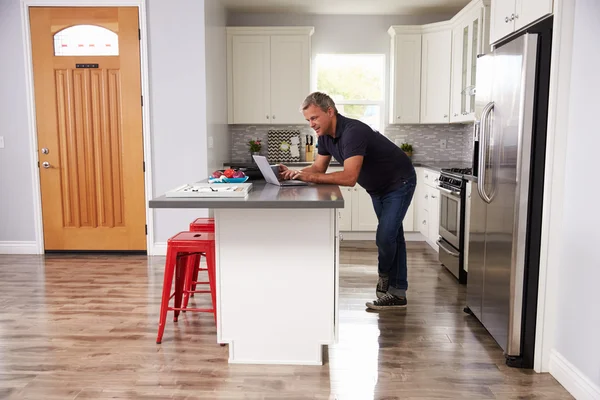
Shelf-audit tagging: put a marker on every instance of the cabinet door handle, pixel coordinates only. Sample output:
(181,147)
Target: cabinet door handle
(398,117)
(506,20)
(273,116)
(445,115)
(267,117)
(512,17)
(455,114)
(433,196)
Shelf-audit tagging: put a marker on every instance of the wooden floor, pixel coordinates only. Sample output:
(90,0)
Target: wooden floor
(84,327)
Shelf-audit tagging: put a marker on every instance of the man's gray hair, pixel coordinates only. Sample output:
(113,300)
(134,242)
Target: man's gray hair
(319,99)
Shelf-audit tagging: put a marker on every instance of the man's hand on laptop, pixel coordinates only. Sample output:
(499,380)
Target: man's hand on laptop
(286,173)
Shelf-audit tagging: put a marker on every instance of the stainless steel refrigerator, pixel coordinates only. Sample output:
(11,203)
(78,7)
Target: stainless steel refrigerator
(507,198)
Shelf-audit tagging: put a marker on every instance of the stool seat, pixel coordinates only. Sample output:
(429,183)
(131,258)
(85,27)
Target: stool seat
(192,238)
(203,225)
(181,251)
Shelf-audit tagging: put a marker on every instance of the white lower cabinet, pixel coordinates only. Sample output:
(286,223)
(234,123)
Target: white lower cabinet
(422,216)
(427,203)
(358,214)
(346,212)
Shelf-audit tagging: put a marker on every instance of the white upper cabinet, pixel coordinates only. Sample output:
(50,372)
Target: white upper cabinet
(509,16)
(251,78)
(528,11)
(433,67)
(290,77)
(405,75)
(268,74)
(436,61)
(469,39)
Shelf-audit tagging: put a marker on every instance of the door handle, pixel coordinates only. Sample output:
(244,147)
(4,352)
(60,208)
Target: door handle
(483,143)
(447,250)
(46,164)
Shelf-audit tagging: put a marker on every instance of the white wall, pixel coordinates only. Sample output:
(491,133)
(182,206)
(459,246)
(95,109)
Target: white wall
(178,104)
(16,189)
(577,340)
(342,33)
(216,84)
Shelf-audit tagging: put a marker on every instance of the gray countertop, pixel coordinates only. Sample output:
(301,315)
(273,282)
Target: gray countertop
(263,195)
(438,165)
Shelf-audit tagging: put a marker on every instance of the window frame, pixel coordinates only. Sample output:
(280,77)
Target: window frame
(381,103)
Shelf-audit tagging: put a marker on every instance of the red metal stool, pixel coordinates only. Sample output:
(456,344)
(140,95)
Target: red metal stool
(198,225)
(180,248)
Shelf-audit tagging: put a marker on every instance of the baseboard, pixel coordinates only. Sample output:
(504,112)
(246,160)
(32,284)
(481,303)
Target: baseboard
(408,236)
(572,378)
(19,248)
(158,249)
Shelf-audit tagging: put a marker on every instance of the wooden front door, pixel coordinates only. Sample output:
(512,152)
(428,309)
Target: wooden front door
(89,127)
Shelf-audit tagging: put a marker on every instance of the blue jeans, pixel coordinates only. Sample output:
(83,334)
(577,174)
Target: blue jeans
(391,209)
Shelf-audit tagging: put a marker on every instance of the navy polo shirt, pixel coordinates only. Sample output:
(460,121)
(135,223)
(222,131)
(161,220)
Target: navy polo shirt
(385,167)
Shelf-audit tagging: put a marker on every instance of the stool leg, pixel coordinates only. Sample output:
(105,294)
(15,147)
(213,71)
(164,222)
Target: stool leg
(196,260)
(210,261)
(166,293)
(179,281)
(189,272)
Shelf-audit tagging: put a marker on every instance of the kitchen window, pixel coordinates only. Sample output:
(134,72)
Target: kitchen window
(356,84)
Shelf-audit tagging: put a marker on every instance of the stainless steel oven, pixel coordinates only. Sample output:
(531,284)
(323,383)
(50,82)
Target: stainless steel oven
(450,243)
(450,216)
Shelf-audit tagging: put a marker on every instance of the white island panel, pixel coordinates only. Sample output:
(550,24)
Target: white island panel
(277,284)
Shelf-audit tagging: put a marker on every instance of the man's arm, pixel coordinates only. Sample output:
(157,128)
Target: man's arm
(347,177)
(319,165)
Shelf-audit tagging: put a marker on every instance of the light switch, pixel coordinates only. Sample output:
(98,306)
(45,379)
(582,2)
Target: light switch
(443,144)
(1,142)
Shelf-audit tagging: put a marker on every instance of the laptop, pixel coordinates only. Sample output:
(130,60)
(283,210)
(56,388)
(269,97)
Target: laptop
(269,174)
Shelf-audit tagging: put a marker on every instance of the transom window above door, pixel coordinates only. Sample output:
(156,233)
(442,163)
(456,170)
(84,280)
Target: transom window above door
(86,40)
(356,83)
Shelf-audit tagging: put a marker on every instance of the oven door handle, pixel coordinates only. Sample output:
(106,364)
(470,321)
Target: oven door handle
(446,249)
(450,192)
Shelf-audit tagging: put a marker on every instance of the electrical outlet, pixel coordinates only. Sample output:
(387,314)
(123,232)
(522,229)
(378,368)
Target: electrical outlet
(210,142)
(443,144)
(1,142)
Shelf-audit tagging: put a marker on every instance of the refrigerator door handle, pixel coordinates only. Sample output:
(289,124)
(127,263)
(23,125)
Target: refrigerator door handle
(483,144)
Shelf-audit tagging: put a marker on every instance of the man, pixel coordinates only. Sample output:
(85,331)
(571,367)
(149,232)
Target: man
(379,166)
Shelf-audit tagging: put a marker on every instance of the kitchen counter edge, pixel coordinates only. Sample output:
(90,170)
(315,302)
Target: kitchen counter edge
(314,196)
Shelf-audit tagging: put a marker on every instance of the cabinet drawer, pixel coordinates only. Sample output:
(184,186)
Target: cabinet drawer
(431,177)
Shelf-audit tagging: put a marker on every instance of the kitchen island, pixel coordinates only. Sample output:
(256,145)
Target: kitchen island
(277,258)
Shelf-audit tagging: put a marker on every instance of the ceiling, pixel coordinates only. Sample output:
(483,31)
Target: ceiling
(346,7)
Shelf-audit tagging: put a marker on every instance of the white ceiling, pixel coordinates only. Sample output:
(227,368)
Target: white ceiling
(345,7)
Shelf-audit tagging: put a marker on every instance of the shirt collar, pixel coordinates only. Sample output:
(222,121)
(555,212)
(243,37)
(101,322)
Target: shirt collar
(339,127)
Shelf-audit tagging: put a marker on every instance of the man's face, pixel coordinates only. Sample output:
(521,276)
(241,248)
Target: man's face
(318,119)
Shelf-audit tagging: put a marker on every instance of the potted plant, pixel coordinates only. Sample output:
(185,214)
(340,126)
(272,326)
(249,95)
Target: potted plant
(255,146)
(407,148)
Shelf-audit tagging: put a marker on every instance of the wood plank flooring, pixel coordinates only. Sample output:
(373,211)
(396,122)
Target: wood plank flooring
(84,327)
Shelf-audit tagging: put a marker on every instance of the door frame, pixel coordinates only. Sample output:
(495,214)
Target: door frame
(32,127)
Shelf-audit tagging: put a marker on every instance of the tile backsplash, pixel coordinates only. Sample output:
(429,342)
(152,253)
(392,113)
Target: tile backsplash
(425,140)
